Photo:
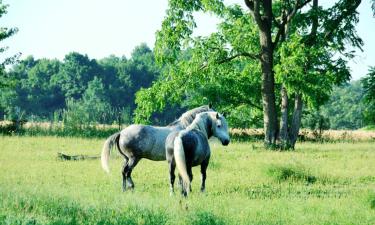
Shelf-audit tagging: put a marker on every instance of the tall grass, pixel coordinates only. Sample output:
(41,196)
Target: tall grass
(74,128)
(59,129)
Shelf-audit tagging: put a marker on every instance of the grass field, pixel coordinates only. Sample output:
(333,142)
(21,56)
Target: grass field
(246,184)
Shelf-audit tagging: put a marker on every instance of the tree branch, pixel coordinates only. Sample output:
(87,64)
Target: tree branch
(254,105)
(315,24)
(230,58)
(287,18)
(251,56)
(337,22)
(254,6)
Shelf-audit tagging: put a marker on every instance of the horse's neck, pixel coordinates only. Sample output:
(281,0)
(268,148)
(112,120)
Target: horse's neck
(198,125)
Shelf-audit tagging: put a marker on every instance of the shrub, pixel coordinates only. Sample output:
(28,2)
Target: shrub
(290,172)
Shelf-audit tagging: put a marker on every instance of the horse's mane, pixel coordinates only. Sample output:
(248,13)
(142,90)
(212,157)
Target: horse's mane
(200,123)
(188,117)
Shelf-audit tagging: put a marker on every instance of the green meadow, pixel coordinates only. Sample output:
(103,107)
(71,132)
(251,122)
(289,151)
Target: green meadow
(331,183)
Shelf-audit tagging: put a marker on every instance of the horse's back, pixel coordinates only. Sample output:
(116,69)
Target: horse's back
(144,141)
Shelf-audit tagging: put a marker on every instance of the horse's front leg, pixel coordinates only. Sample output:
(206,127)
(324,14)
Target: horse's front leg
(204,166)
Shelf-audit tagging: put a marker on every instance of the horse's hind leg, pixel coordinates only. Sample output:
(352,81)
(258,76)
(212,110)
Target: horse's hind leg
(131,164)
(184,189)
(190,173)
(181,185)
(204,166)
(124,172)
(172,177)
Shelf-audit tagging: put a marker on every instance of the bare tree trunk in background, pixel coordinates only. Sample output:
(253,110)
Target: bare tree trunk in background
(284,128)
(289,133)
(296,120)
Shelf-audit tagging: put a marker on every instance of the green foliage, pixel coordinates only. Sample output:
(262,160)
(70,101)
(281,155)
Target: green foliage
(75,73)
(223,68)
(302,69)
(290,173)
(369,127)
(345,107)
(100,91)
(178,26)
(95,102)
(5,79)
(202,74)
(368,84)
(91,110)
(316,121)
(244,116)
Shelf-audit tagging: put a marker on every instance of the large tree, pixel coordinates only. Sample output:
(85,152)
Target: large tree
(297,48)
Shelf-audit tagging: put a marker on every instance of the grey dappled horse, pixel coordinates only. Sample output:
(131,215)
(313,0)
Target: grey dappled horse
(141,141)
(189,147)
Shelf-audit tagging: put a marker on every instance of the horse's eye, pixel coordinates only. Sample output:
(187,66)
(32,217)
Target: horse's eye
(219,126)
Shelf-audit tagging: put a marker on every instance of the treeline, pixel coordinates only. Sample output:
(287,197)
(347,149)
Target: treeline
(346,109)
(78,89)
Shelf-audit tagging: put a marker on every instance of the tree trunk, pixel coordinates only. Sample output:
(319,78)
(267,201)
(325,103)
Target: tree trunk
(284,131)
(262,14)
(268,89)
(296,120)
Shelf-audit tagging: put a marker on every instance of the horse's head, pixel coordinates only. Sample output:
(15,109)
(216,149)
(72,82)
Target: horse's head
(220,128)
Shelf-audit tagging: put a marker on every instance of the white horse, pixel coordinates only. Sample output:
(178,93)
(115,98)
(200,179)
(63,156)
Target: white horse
(141,141)
(189,147)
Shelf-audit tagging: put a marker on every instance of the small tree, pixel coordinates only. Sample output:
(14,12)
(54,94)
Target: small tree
(95,102)
(368,84)
(92,109)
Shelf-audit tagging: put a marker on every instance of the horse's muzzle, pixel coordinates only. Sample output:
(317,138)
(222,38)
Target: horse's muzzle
(225,142)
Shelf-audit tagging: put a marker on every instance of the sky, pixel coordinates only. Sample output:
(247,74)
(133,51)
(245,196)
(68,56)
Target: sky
(98,28)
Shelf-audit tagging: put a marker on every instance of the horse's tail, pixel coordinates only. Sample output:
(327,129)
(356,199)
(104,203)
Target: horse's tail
(179,156)
(108,144)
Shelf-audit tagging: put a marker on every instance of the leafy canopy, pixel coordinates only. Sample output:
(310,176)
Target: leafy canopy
(223,68)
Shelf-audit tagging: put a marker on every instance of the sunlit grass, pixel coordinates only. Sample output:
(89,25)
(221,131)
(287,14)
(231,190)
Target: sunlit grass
(246,184)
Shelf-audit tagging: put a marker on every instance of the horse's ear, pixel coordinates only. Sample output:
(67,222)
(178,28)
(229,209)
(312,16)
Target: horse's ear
(217,115)
(224,114)
(210,105)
